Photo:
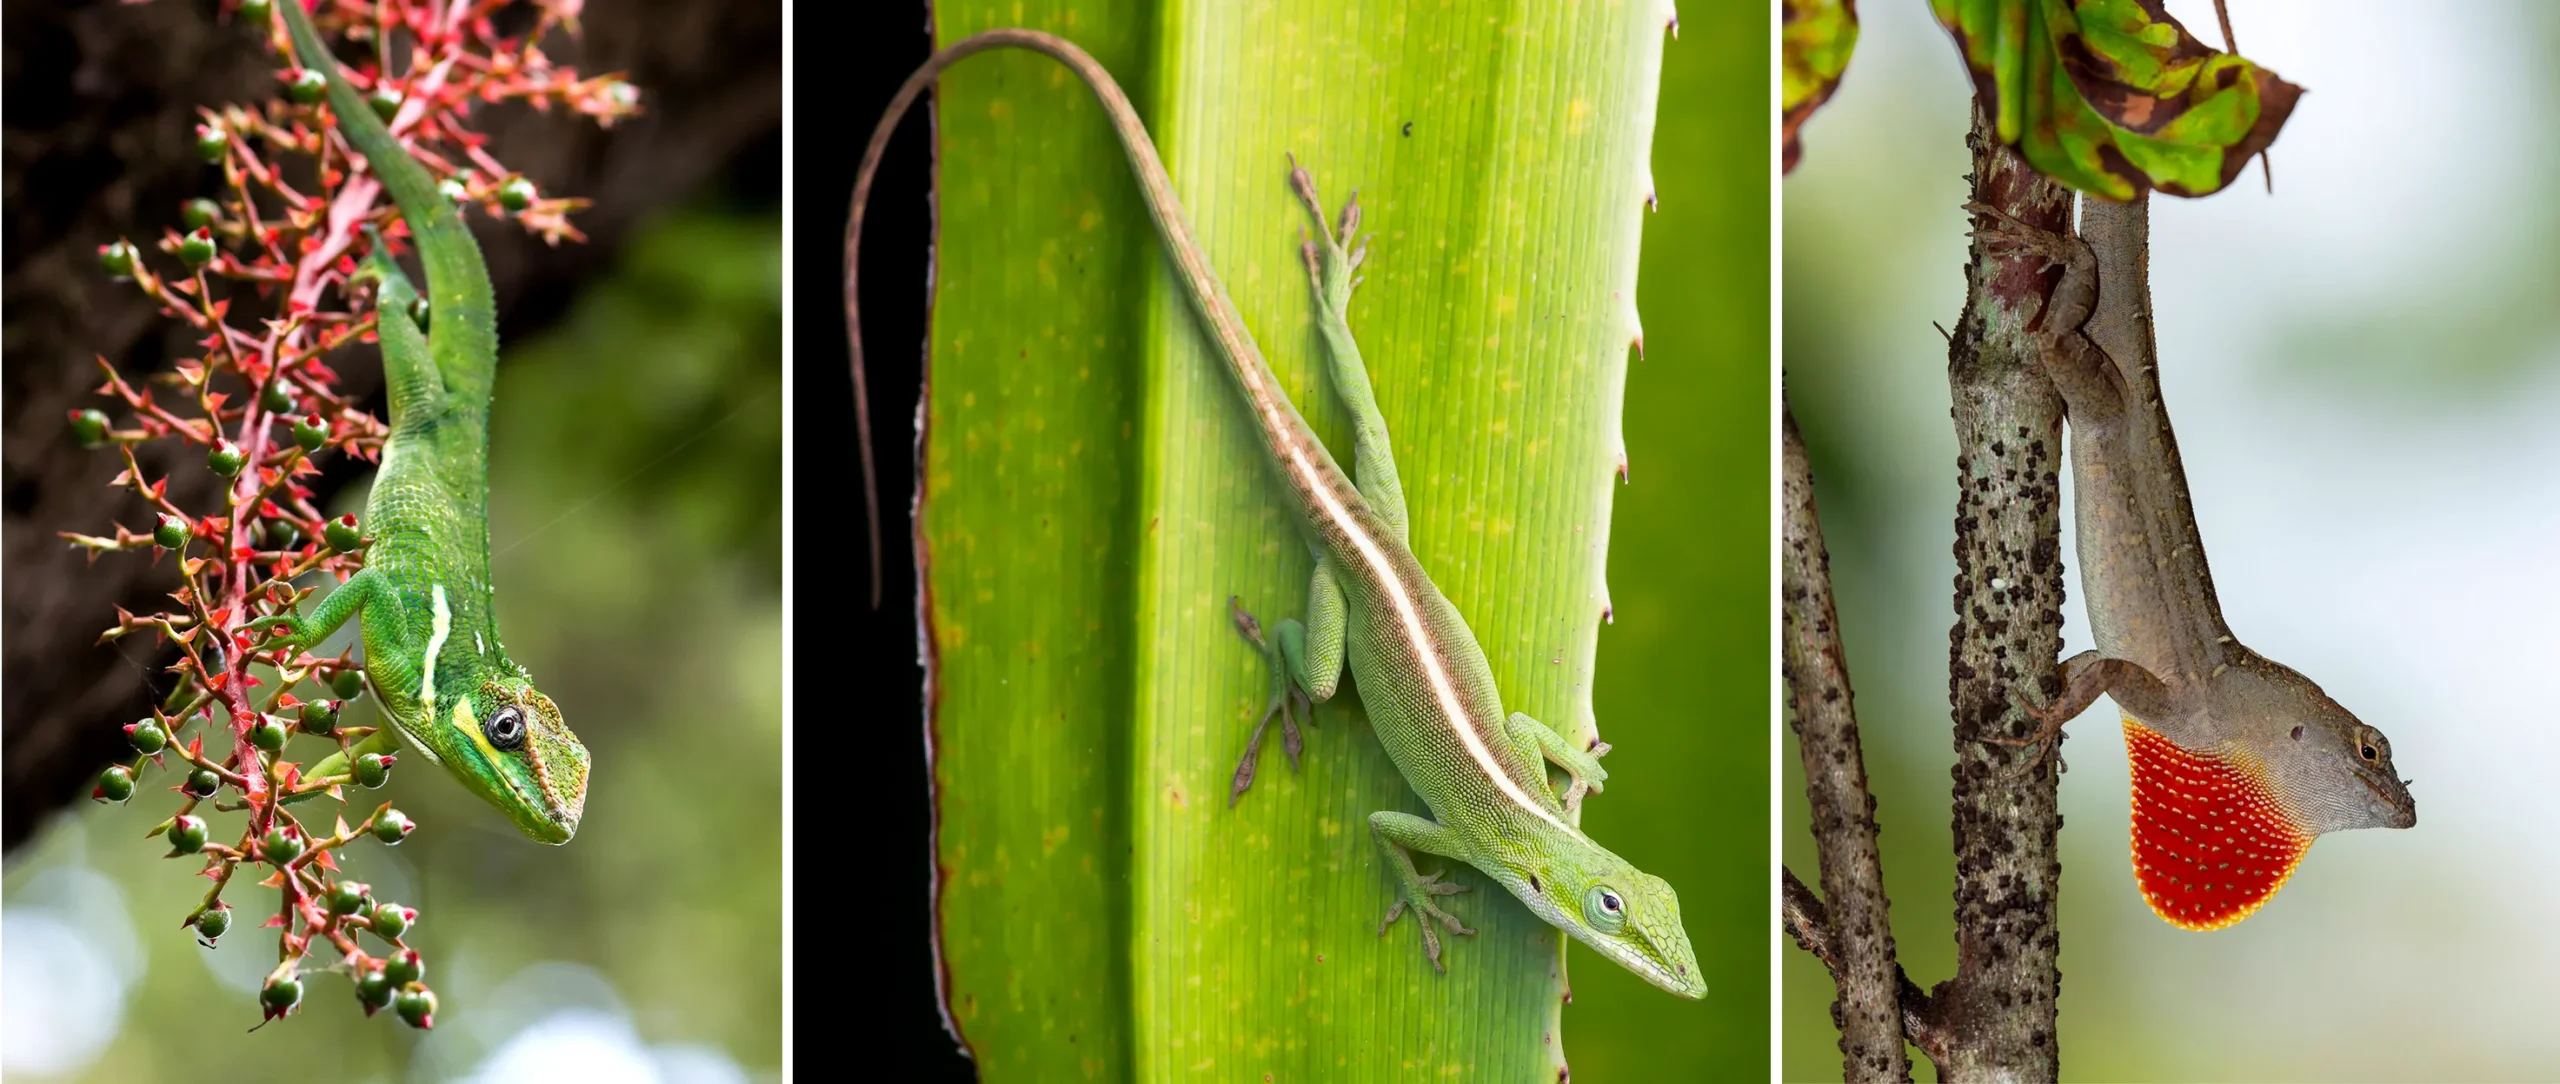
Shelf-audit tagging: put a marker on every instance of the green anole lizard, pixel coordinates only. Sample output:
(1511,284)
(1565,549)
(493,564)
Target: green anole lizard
(2238,761)
(1424,680)
(432,651)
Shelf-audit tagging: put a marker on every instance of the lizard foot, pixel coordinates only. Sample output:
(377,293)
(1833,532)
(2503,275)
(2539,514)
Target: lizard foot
(2006,234)
(2048,737)
(1333,260)
(1419,893)
(1287,701)
(263,628)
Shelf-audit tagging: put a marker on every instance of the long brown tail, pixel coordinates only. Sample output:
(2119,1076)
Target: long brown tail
(1034,40)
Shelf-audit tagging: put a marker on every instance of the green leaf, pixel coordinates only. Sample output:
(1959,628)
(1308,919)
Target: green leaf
(2114,97)
(1815,38)
(1092,495)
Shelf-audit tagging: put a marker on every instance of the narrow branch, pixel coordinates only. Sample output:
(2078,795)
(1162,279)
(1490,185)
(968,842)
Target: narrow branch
(1825,719)
(1805,920)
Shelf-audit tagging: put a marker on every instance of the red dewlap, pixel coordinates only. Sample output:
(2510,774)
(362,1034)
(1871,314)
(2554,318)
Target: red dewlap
(2210,843)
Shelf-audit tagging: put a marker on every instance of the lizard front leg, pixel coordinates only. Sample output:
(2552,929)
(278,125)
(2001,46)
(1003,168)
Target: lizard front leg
(1583,765)
(1306,662)
(365,593)
(1399,835)
(2085,677)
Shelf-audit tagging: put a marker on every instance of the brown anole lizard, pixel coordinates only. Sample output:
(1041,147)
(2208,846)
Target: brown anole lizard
(2238,762)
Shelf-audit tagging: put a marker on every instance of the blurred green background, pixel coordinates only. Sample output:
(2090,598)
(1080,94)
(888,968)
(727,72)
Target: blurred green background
(1689,575)
(636,513)
(2363,368)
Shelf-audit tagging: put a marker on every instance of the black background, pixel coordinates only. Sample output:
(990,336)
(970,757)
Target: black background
(864,810)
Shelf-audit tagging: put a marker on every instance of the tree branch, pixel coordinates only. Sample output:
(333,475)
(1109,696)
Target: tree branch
(1999,1010)
(1806,922)
(1824,716)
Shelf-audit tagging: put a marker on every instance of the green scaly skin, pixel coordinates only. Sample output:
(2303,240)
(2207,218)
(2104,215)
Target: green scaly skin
(432,651)
(1423,678)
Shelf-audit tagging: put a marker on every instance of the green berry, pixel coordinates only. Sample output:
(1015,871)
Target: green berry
(311,431)
(115,784)
(200,213)
(267,733)
(186,834)
(283,534)
(196,249)
(348,897)
(282,845)
(417,1005)
(306,86)
(89,426)
(393,827)
(203,782)
(404,967)
(281,994)
(453,189)
(256,9)
(319,717)
(371,772)
(172,533)
(117,259)
(516,194)
(374,990)
(147,737)
(418,312)
(392,920)
(212,141)
(385,102)
(214,923)
(342,535)
(348,683)
(278,397)
(225,459)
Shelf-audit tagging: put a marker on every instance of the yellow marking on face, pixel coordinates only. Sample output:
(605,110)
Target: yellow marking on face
(468,722)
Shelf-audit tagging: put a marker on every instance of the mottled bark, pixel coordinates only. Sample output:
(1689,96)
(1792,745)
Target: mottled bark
(100,116)
(1808,923)
(1857,932)
(1999,1010)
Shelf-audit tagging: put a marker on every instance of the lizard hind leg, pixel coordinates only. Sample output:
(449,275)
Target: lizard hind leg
(409,374)
(1333,262)
(1398,836)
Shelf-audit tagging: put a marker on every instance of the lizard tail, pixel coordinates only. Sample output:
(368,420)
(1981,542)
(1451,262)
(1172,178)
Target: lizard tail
(862,178)
(1208,295)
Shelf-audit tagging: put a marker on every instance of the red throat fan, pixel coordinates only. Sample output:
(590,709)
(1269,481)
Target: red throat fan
(2210,842)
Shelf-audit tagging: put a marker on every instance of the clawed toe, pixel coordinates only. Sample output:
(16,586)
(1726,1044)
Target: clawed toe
(1426,914)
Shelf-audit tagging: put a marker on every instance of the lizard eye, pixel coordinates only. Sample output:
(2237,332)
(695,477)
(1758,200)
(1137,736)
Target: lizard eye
(506,729)
(1603,909)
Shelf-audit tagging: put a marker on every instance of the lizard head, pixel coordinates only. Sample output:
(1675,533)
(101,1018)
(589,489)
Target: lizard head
(1624,913)
(2330,768)
(506,742)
